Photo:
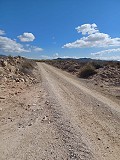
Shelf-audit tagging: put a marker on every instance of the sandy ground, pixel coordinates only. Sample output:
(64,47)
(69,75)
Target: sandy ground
(59,118)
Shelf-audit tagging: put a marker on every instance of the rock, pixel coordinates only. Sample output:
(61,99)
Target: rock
(10,119)
(30,124)
(25,79)
(5,79)
(16,93)
(47,102)
(1,97)
(4,63)
(19,125)
(1,109)
(17,71)
(17,80)
(22,80)
(45,119)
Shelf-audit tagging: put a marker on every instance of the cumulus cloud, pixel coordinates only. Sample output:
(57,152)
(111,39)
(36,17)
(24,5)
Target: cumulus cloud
(106,51)
(26,37)
(93,39)
(2,32)
(87,29)
(8,45)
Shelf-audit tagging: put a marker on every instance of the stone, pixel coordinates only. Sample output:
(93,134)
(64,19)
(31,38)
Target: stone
(17,80)
(4,63)
(1,97)
(30,124)
(45,118)
(22,80)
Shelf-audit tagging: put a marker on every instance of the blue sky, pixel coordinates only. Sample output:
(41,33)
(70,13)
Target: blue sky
(60,28)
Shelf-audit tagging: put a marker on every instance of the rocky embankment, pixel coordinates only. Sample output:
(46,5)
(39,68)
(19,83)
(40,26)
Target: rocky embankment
(108,76)
(16,73)
(16,69)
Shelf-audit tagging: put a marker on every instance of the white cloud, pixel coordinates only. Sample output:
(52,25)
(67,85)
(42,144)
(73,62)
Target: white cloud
(49,57)
(46,57)
(36,49)
(87,29)
(115,58)
(94,38)
(2,32)
(106,51)
(26,37)
(75,57)
(8,45)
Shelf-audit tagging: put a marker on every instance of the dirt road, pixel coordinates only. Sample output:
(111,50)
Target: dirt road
(61,119)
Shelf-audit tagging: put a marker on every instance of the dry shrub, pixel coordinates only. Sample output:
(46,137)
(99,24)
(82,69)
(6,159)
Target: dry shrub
(27,66)
(87,71)
(97,65)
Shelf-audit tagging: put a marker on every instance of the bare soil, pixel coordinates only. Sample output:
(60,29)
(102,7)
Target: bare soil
(58,117)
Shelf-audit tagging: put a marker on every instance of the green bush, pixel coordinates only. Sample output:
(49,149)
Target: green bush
(86,71)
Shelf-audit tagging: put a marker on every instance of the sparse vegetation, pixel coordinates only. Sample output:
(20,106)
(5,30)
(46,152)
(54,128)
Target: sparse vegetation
(98,70)
(87,71)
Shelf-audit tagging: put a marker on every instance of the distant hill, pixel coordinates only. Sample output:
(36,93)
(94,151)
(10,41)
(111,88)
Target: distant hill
(84,60)
(1,55)
(80,59)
